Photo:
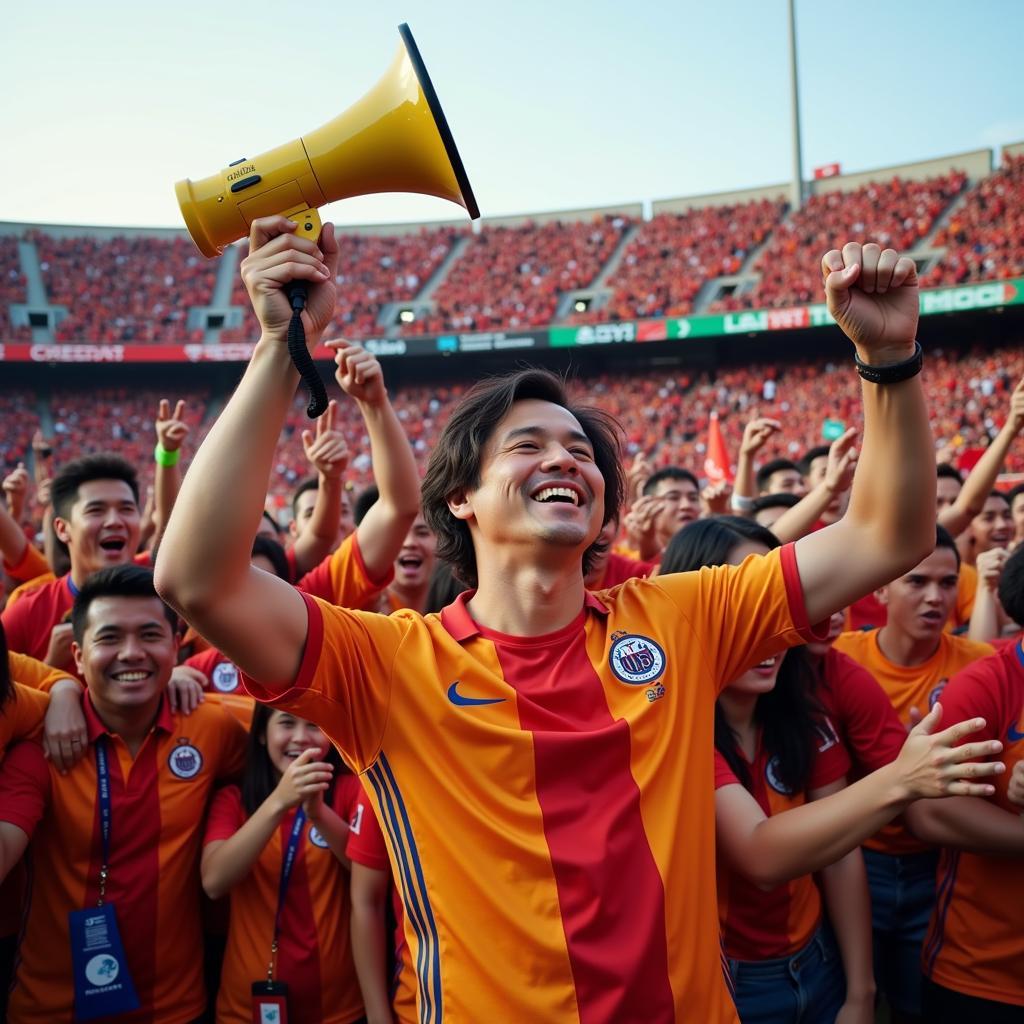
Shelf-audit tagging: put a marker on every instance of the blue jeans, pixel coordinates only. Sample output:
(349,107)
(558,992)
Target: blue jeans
(806,988)
(902,898)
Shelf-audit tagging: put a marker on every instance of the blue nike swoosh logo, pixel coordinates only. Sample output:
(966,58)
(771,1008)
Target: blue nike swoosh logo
(468,702)
(1013,736)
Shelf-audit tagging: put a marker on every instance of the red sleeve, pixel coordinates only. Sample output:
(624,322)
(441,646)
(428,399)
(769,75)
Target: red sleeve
(145,559)
(24,786)
(293,565)
(365,840)
(31,565)
(226,815)
(864,715)
(724,775)
(831,761)
(16,620)
(348,792)
(979,690)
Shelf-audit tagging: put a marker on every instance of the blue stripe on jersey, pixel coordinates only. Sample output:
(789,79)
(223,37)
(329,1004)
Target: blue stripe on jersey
(944,898)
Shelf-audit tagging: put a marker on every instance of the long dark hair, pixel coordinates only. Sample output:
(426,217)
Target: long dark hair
(6,683)
(790,719)
(260,777)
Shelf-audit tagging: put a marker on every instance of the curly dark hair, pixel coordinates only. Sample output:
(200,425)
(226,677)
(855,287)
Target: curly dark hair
(456,459)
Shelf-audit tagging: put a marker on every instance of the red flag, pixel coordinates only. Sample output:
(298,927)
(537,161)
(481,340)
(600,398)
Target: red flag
(716,462)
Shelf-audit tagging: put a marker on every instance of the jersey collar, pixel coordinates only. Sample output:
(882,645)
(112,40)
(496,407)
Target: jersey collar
(460,625)
(95,727)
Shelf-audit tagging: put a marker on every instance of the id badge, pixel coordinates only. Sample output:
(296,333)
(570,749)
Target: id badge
(103,984)
(269,1002)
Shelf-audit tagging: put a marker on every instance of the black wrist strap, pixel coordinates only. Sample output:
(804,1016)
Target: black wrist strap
(300,354)
(892,373)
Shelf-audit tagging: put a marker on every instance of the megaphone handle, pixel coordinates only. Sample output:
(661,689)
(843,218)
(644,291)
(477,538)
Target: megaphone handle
(300,354)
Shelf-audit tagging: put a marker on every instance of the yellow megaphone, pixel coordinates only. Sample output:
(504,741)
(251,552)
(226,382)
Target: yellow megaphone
(395,139)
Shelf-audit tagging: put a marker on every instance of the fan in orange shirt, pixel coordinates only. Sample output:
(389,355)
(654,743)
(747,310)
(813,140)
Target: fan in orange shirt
(912,658)
(974,951)
(162,768)
(277,847)
(530,723)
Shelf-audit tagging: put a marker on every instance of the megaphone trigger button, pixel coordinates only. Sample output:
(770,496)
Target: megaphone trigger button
(240,160)
(238,186)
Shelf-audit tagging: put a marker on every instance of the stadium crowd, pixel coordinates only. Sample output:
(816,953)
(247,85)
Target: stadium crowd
(390,760)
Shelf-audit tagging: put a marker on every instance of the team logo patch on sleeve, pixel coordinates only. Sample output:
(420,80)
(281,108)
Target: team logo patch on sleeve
(636,659)
(936,693)
(185,761)
(316,838)
(225,677)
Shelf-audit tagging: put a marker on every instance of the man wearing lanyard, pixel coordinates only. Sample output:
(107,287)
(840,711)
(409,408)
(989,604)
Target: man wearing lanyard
(115,928)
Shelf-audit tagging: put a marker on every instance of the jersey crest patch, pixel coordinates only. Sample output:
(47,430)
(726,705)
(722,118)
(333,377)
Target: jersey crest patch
(636,660)
(316,838)
(225,677)
(185,761)
(771,773)
(936,693)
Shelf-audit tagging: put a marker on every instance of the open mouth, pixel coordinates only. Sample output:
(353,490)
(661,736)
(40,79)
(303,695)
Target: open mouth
(113,545)
(131,676)
(933,617)
(766,667)
(410,563)
(563,495)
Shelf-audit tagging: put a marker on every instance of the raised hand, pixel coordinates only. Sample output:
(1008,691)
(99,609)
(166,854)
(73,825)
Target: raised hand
(1015,790)
(171,430)
(842,462)
(15,487)
(931,764)
(756,434)
(1017,407)
(359,373)
(637,475)
(990,567)
(714,499)
(276,258)
(326,449)
(185,689)
(305,779)
(873,295)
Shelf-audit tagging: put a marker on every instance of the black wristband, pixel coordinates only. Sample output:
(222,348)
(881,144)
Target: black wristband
(892,373)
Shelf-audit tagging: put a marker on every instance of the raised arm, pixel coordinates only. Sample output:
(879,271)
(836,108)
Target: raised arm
(203,566)
(327,453)
(171,432)
(385,525)
(890,523)
(980,481)
(12,538)
(755,435)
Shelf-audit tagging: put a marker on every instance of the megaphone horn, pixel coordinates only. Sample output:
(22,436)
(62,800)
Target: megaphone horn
(395,139)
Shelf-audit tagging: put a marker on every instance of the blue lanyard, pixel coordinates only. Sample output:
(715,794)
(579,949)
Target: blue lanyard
(286,867)
(103,795)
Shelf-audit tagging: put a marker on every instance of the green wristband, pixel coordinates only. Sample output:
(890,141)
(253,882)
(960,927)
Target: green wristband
(164,457)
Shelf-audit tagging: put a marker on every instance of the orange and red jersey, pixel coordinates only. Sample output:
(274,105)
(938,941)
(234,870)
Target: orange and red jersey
(21,717)
(760,924)
(569,765)
(619,568)
(314,956)
(909,686)
(343,579)
(159,801)
(32,673)
(975,943)
(30,621)
(861,712)
(366,846)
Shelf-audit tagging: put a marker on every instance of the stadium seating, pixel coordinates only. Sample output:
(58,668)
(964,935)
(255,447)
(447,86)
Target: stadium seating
(128,289)
(896,213)
(513,276)
(373,270)
(20,419)
(673,255)
(984,238)
(12,288)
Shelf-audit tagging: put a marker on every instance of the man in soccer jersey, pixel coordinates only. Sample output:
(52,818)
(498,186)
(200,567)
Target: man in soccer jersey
(541,760)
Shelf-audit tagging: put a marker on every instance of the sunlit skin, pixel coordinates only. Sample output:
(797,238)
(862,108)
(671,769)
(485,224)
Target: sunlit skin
(287,736)
(102,528)
(415,565)
(127,653)
(536,445)
(918,605)
(992,527)
(785,481)
(680,504)
(946,492)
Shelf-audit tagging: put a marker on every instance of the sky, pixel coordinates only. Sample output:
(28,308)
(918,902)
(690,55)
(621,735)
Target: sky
(554,104)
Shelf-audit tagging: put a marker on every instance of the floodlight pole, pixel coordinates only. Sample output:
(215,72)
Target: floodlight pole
(797,194)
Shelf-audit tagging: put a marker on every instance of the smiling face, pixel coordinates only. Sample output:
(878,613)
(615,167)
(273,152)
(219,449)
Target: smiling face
(539,487)
(127,652)
(415,562)
(288,736)
(920,603)
(102,528)
(992,527)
